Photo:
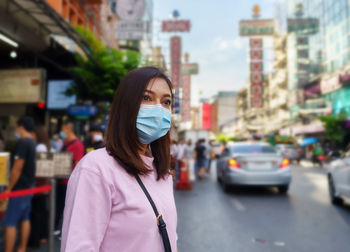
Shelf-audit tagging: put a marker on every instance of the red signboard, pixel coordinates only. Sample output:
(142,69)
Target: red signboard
(256,72)
(175,47)
(206,122)
(176,26)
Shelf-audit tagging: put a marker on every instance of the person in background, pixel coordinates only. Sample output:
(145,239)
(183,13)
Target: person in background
(22,177)
(95,139)
(210,154)
(39,217)
(56,143)
(180,156)
(2,143)
(173,156)
(201,158)
(75,146)
(189,159)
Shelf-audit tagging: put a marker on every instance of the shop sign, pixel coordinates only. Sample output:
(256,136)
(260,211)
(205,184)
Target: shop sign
(176,26)
(330,85)
(82,110)
(4,168)
(302,41)
(175,47)
(308,129)
(260,27)
(22,86)
(312,91)
(303,25)
(50,165)
(56,97)
(256,72)
(131,30)
(206,115)
(344,78)
(256,66)
(190,68)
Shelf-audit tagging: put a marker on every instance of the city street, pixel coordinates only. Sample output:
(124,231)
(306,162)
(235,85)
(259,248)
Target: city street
(261,219)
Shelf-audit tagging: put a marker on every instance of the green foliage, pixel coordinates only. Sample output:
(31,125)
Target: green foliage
(97,77)
(334,127)
(223,138)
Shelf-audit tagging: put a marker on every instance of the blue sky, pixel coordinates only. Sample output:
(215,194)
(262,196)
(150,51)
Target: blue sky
(213,42)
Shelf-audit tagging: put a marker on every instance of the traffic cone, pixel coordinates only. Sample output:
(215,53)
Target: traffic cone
(183,183)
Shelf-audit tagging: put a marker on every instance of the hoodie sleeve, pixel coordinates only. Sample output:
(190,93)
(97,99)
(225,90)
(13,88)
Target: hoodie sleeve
(87,212)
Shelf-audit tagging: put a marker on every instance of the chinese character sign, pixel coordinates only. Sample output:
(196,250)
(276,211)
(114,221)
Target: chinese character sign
(175,47)
(256,72)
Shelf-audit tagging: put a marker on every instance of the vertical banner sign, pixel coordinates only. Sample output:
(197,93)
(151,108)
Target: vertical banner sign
(206,122)
(256,72)
(175,47)
(186,98)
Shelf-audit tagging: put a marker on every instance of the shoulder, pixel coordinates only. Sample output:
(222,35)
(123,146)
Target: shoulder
(98,162)
(41,148)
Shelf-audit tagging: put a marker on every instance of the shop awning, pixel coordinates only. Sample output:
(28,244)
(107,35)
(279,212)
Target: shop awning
(50,20)
(308,141)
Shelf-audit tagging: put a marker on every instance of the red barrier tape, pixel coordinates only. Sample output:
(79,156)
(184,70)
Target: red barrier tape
(25,192)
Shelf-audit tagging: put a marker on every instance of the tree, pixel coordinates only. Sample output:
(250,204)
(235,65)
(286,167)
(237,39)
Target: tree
(97,77)
(334,127)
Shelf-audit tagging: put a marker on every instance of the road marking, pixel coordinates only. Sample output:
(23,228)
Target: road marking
(238,205)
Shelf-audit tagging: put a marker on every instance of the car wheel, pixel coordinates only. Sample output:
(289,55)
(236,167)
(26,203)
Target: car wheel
(283,189)
(332,192)
(225,186)
(218,178)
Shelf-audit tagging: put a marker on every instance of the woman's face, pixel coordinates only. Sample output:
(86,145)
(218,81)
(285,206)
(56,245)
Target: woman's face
(157,92)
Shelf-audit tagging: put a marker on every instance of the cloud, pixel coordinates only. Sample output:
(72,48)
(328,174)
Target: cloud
(224,44)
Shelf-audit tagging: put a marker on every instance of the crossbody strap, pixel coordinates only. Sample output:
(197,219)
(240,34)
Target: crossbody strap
(160,222)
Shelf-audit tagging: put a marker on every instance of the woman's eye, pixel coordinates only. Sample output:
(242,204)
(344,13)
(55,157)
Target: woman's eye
(146,98)
(167,102)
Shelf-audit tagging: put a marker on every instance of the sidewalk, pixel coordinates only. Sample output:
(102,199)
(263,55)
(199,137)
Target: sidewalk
(43,247)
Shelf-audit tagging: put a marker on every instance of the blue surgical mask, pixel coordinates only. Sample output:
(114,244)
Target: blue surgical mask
(63,135)
(152,123)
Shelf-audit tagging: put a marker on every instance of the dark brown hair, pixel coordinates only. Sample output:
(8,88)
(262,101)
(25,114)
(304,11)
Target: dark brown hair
(42,137)
(122,141)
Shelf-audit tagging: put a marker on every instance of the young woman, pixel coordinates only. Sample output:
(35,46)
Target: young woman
(106,209)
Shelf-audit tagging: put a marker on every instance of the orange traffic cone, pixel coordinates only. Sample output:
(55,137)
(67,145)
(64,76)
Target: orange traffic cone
(183,183)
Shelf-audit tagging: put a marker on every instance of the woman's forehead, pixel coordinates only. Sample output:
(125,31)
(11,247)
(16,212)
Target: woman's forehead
(158,85)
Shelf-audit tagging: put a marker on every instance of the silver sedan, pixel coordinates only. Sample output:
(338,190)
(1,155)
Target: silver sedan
(339,181)
(253,164)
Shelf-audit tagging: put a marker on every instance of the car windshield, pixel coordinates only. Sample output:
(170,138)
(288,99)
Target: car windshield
(252,149)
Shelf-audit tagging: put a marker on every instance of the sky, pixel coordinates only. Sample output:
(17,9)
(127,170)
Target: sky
(213,42)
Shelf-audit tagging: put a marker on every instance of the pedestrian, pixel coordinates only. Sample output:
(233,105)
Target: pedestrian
(106,208)
(173,156)
(56,143)
(22,177)
(180,157)
(95,139)
(189,159)
(201,158)
(39,217)
(75,146)
(2,143)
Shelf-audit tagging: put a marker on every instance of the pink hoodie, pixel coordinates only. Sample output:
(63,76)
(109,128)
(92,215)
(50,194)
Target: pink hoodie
(107,211)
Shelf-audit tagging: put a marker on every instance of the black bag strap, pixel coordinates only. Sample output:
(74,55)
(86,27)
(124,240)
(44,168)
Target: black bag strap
(160,222)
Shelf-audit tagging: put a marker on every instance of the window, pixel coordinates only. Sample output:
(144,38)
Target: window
(253,149)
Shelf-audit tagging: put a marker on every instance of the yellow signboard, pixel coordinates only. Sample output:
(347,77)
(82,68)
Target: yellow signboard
(4,168)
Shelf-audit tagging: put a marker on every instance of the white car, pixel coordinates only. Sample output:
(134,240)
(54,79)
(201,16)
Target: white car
(339,181)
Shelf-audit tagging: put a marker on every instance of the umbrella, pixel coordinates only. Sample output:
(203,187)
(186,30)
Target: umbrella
(308,141)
